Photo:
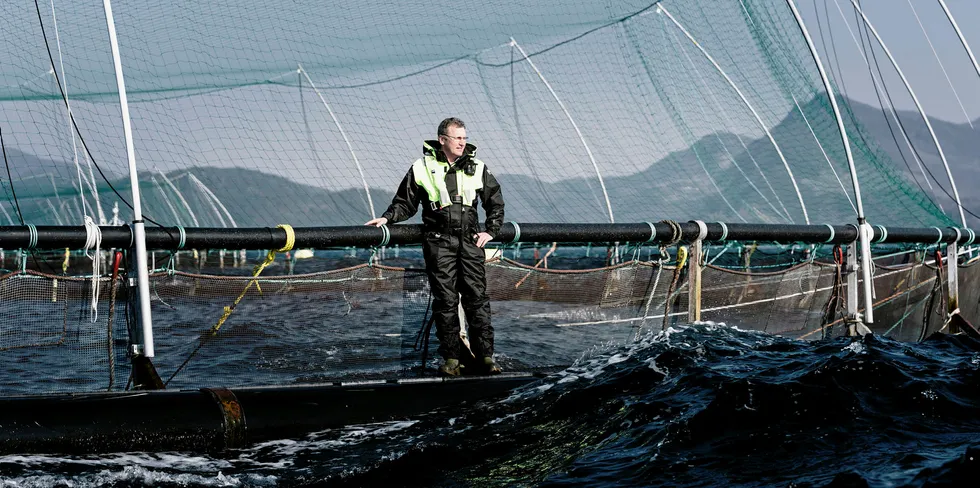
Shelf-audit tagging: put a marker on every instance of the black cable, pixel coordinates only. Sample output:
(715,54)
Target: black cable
(899,119)
(833,46)
(884,114)
(20,215)
(840,77)
(422,337)
(71,116)
(10,178)
(574,38)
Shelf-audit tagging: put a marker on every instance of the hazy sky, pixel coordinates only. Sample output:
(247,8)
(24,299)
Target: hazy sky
(897,25)
(215,84)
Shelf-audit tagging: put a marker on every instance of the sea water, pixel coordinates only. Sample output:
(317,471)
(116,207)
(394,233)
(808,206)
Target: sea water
(696,405)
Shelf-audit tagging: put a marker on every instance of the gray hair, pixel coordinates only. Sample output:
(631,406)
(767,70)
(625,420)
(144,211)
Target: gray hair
(450,122)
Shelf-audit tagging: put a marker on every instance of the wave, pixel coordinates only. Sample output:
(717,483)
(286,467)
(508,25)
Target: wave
(711,405)
(696,405)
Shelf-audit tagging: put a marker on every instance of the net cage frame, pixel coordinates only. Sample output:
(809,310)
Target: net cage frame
(354,312)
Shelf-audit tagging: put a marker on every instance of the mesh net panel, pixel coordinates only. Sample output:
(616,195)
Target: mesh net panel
(335,317)
(253,115)
(51,340)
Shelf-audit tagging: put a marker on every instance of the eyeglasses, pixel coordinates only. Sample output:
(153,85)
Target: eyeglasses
(451,138)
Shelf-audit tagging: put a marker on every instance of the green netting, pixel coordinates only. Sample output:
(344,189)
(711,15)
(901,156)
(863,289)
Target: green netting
(253,114)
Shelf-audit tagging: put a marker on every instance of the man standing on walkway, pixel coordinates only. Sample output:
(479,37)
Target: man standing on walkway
(447,181)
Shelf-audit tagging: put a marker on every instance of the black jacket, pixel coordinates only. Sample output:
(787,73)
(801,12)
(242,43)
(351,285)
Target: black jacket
(455,217)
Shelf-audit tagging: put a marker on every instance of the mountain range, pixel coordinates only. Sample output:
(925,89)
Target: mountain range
(754,183)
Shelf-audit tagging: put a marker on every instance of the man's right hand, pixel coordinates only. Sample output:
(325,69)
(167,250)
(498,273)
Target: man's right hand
(378,222)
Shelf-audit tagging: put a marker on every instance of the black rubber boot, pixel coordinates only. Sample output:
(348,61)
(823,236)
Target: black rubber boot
(490,366)
(449,368)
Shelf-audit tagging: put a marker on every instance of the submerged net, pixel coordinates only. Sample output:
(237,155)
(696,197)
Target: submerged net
(253,114)
(337,317)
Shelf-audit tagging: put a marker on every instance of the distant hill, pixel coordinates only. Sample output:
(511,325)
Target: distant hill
(960,142)
(753,181)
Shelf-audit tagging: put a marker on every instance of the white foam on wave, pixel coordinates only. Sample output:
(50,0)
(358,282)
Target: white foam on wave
(652,364)
(581,314)
(129,475)
(331,439)
(161,460)
(857,347)
(597,360)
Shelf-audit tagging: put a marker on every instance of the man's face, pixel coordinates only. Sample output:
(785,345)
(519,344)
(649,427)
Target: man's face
(453,142)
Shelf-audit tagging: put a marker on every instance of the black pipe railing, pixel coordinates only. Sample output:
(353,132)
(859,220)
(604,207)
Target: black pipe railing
(171,238)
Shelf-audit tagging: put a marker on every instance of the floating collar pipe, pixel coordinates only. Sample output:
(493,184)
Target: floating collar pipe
(264,238)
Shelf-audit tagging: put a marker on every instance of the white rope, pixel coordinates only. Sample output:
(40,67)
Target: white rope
(884,233)
(68,114)
(343,134)
(595,165)
(825,156)
(729,123)
(880,86)
(724,231)
(93,240)
(653,232)
(702,229)
(833,101)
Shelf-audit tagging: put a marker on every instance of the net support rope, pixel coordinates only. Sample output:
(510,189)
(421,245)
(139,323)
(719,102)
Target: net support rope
(269,259)
(93,241)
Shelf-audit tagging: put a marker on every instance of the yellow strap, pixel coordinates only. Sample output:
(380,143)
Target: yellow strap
(290,238)
(269,259)
(64,265)
(681,257)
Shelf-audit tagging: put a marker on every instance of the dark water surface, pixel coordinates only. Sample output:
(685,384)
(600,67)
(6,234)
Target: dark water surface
(699,405)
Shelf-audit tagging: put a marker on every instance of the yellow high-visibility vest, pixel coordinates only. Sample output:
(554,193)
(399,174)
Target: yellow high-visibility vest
(430,174)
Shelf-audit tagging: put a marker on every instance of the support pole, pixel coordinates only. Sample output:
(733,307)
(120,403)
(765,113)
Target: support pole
(922,112)
(694,282)
(855,327)
(850,266)
(561,104)
(966,45)
(138,229)
(336,122)
(953,286)
(758,118)
(864,235)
